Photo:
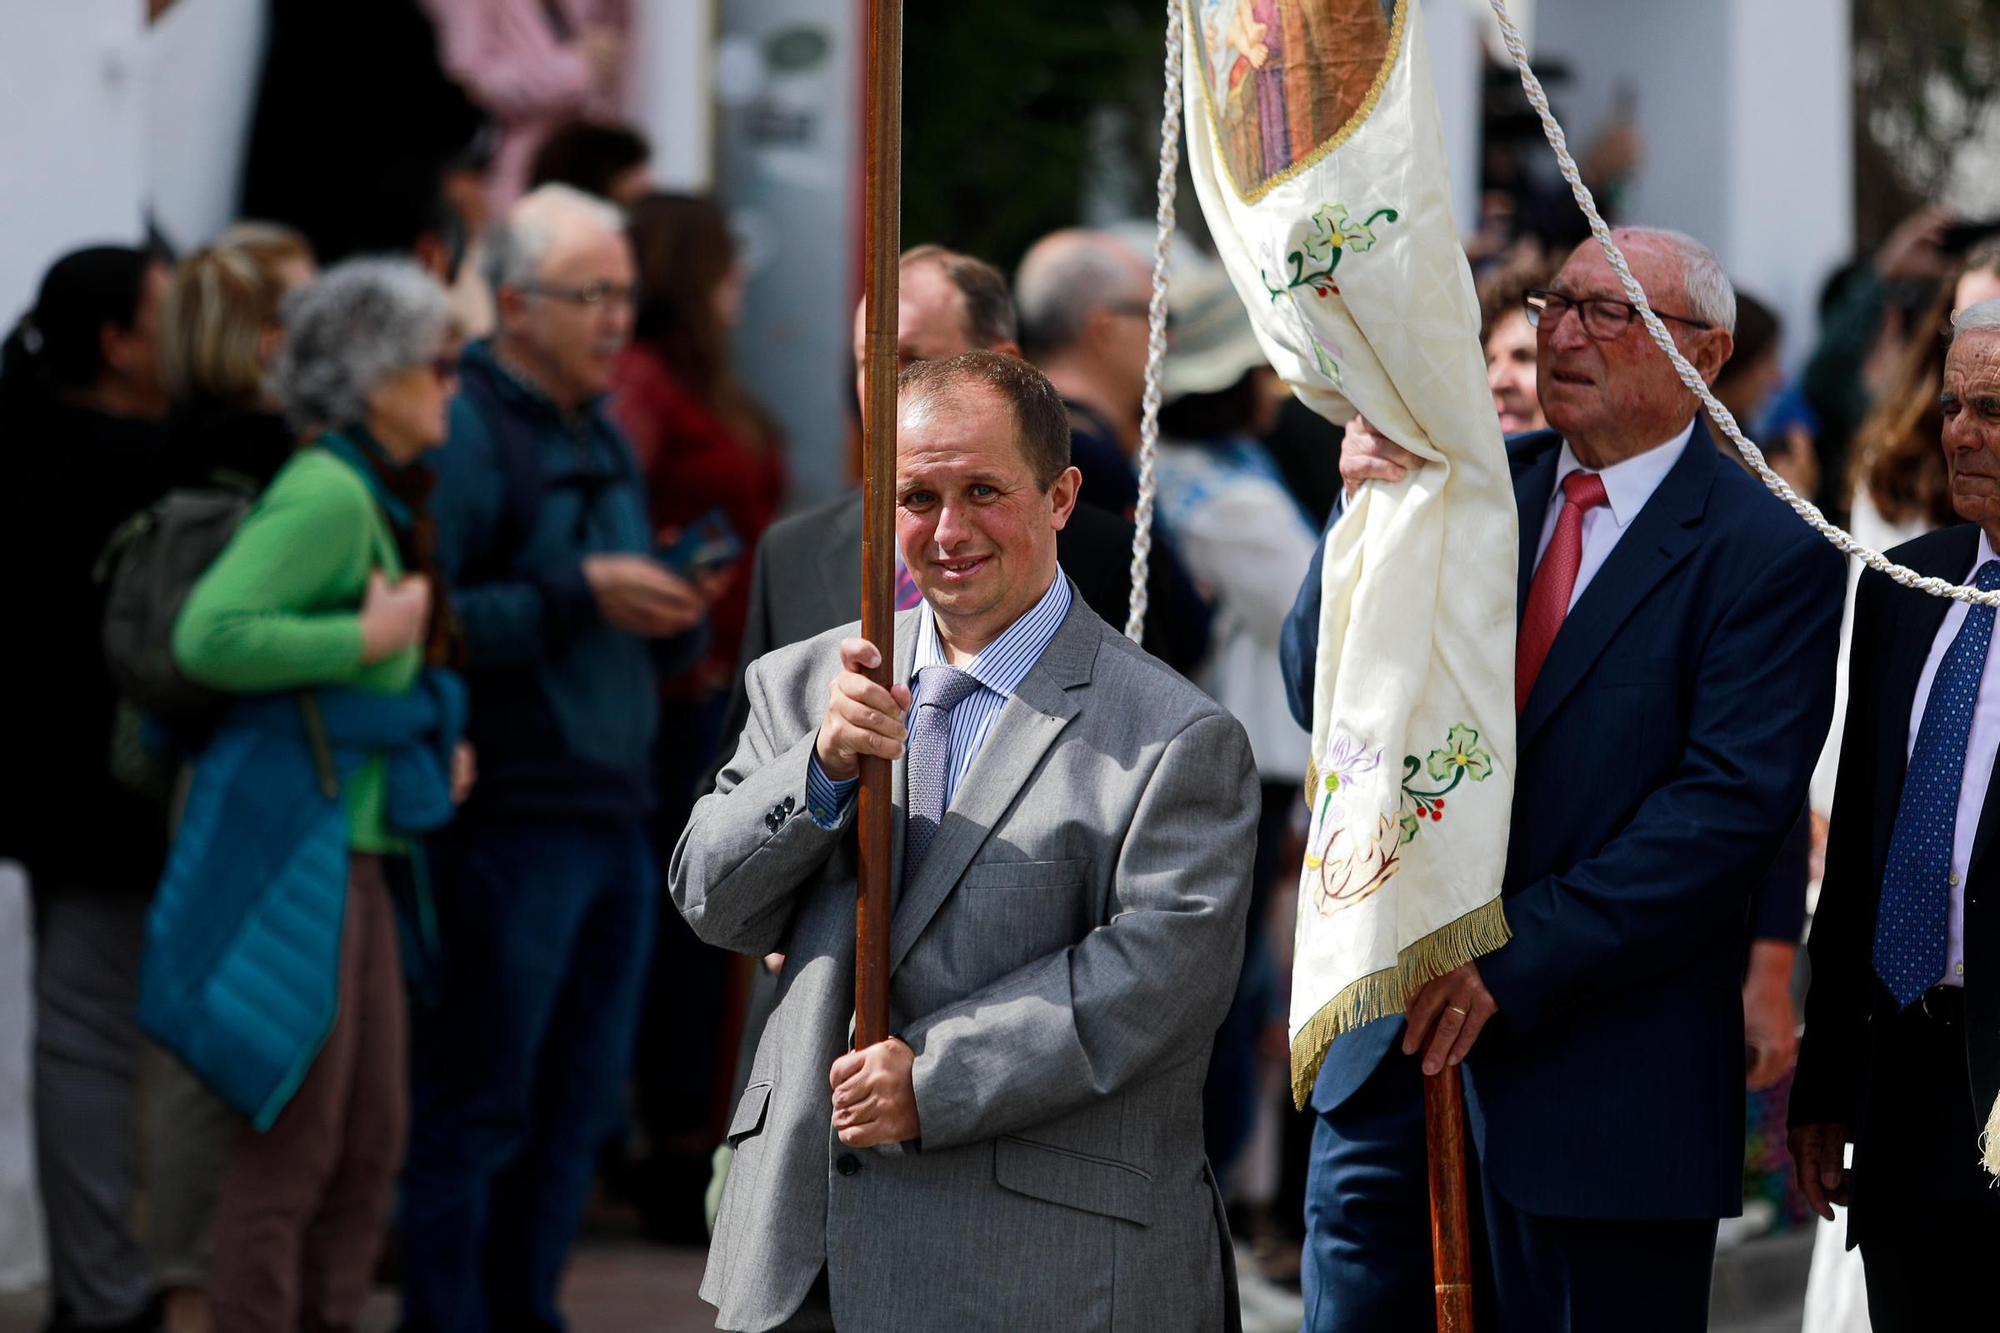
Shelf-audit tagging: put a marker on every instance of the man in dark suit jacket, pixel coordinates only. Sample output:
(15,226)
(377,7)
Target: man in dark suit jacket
(1902,1045)
(1664,748)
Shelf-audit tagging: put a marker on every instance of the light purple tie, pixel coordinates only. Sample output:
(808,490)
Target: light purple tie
(940,689)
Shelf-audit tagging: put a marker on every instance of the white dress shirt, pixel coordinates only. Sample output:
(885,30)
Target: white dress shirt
(1980,748)
(1627,487)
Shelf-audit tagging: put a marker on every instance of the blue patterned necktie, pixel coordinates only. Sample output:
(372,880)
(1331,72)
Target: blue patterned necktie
(1916,884)
(940,689)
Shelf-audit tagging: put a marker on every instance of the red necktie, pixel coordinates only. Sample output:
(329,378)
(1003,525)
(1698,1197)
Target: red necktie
(1555,580)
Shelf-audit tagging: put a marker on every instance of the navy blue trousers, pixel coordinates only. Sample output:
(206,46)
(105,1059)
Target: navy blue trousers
(1367,1263)
(519,1069)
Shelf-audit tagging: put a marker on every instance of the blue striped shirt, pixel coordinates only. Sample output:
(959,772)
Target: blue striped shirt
(1000,669)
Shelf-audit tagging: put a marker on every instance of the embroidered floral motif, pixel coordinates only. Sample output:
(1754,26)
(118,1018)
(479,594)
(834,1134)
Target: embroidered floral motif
(1344,864)
(1329,233)
(1458,759)
(1346,760)
(1351,865)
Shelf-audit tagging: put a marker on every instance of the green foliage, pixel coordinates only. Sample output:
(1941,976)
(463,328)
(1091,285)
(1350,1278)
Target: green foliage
(1925,74)
(999,104)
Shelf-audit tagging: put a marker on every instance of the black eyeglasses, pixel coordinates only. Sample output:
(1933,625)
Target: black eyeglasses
(1604,319)
(594,295)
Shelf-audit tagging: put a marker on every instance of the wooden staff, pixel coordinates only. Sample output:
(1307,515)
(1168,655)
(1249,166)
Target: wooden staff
(883,200)
(1451,1247)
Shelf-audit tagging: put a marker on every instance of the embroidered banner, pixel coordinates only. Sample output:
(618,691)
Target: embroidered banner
(1314,142)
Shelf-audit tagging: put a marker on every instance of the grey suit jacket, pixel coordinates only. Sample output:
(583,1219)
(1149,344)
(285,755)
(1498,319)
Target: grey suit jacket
(1059,967)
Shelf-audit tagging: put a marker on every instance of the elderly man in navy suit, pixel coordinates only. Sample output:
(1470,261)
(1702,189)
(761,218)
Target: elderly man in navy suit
(1674,676)
(1902,1047)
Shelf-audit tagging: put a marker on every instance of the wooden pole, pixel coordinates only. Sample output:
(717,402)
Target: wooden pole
(1451,1246)
(883,190)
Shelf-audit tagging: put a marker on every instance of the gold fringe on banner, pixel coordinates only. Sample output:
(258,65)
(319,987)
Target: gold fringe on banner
(1989,1141)
(1380,994)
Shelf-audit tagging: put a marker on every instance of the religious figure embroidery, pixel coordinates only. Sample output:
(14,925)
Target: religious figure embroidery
(1286,79)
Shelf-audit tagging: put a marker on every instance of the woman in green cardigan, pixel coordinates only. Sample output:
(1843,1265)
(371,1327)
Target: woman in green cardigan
(326,586)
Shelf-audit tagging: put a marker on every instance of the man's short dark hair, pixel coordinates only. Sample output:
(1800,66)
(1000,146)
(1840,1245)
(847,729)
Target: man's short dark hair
(589,156)
(989,310)
(1041,422)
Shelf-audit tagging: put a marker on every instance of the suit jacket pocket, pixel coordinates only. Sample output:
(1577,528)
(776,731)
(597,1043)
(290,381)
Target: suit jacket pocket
(749,1117)
(1074,1180)
(1022,874)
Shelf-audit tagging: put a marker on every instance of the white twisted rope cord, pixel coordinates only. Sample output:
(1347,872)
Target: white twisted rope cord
(1777,485)
(1156,325)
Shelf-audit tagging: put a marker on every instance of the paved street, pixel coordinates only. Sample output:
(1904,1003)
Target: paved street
(1759,1286)
(619,1284)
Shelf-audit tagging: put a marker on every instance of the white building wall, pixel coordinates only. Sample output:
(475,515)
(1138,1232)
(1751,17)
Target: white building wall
(111,118)
(1790,184)
(73,99)
(1744,108)
(1669,60)
(789,89)
(1455,29)
(672,87)
(202,62)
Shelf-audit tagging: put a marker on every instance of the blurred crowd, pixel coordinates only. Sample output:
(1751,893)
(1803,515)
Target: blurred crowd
(384,571)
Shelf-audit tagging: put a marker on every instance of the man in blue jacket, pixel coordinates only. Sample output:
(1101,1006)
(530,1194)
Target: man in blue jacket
(1675,680)
(545,886)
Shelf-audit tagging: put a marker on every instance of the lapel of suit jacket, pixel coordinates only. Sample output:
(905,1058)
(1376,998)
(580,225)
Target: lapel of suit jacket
(1910,643)
(840,561)
(1533,487)
(1912,629)
(1028,724)
(1658,540)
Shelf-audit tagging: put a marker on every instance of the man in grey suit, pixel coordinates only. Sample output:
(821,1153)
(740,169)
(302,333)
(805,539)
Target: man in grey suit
(1074,828)
(806,576)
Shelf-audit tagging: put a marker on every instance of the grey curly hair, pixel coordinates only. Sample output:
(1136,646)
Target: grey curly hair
(360,325)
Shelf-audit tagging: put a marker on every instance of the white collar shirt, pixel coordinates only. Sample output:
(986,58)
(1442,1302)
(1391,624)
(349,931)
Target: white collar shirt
(1627,486)
(999,668)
